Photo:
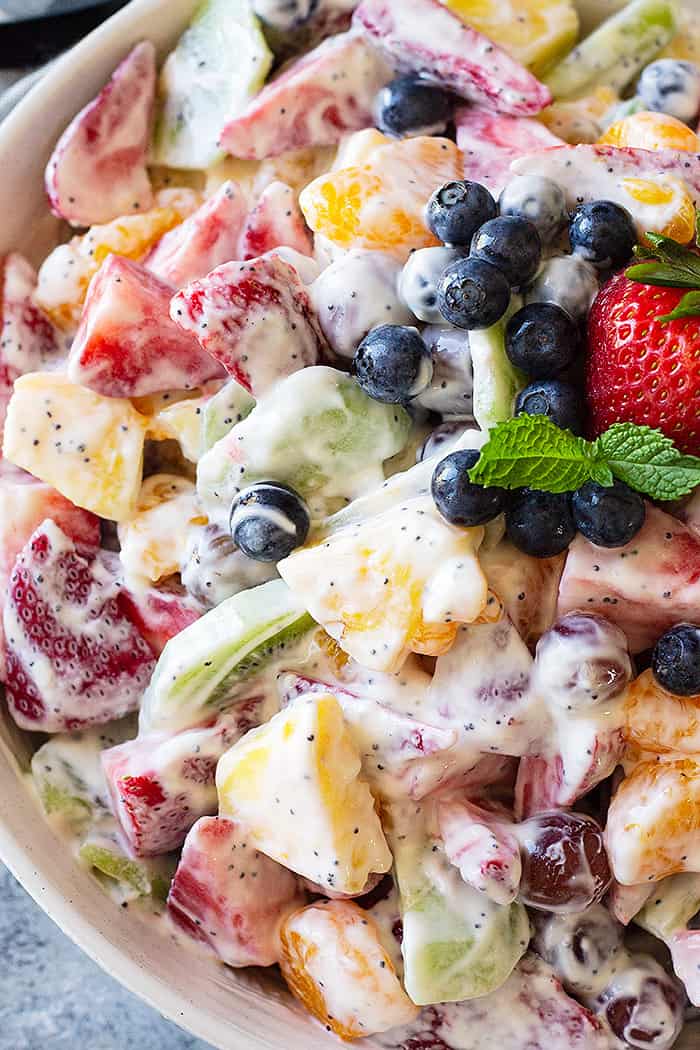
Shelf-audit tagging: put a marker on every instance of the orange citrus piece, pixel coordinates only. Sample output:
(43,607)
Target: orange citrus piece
(653,131)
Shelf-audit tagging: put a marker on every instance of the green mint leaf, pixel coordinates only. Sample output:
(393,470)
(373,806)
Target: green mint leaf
(675,266)
(689,306)
(530,451)
(663,274)
(648,461)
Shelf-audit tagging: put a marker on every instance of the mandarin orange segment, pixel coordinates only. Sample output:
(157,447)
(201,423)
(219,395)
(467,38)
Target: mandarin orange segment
(334,963)
(653,131)
(656,721)
(381,204)
(670,202)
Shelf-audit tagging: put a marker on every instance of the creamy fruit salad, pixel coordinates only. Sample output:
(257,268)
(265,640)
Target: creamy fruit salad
(349,515)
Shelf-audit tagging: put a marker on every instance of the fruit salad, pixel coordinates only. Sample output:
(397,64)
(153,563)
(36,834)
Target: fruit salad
(350,511)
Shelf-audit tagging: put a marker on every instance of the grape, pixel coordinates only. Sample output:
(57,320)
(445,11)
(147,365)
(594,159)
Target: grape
(644,1005)
(582,661)
(215,569)
(584,949)
(565,867)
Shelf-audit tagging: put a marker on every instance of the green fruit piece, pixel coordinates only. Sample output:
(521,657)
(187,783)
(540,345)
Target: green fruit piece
(496,381)
(231,405)
(673,903)
(219,64)
(457,943)
(125,877)
(616,51)
(317,431)
(201,672)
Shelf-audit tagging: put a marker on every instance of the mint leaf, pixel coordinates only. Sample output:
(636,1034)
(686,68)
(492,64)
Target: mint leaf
(648,461)
(675,266)
(530,451)
(689,306)
(663,275)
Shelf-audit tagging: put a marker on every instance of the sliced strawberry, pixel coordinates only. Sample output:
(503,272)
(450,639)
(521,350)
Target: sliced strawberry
(206,239)
(482,846)
(254,317)
(428,38)
(321,96)
(490,142)
(97,171)
(275,221)
(74,658)
(643,588)
(126,345)
(230,897)
(161,612)
(161,783)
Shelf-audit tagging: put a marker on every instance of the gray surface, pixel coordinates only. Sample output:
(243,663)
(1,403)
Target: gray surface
(52,997)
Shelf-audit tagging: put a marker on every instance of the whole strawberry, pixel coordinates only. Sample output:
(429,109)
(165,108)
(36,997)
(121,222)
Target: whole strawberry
(643,364)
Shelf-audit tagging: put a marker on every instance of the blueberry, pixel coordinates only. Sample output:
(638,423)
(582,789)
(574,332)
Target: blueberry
(603,233)
(512,244)
(393,364)
(457,210)
(268,521)
(473,294)
(419,280)
(410,104)
(608,516)
(539,200)
(541,340)
(676,660)
(555,399)
(540,523)
(672,87)
(570,281)
(458,500)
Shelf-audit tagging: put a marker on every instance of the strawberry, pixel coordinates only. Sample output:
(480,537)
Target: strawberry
(274,222)
(74,658)
(161,612)
(643,335)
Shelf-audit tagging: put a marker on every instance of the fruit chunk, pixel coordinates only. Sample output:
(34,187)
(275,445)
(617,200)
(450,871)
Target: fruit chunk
(651,131)
(160,784)
(329,453)
(535,32)
(581,120)
(645,592)
(227,895)
(67,271)
(396,583)
(88,447)
(496,380)
(255,318)
(526,586)
(161,612)
(334,963)
(616,51)
(203,671)
(220,62)
(295,784)
(153,540)
(74,658)
(206,239)
(433,41)
(276,220)
(126,345)
(491,141)
(309,104)
(29,340)
(373,205)
(231,405)
(97,171)
(104,855)
(653,822)
(482,847)
(660,723)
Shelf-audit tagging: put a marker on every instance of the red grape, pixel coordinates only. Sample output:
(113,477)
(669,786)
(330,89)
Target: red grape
(565,866)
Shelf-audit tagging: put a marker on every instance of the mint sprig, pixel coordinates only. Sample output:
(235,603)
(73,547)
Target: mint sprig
(531,452)
(668,264)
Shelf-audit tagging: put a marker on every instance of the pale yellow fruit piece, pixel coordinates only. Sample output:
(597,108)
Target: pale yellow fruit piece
(686,43)
(181,419)
(87,446)
(535,32)
(396,583)
(359,147)
(154,540)
(580,121)
(295,169)
(295,783)
(657,722)
(334,963)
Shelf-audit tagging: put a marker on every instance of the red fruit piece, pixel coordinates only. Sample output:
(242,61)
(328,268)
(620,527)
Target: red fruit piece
(321,96)
(161,783)
(276,221)
(227,895)
(161,612)
(640,370)
(206,239)
(425,37)
(565,866)
(255,318)
(625,902)
(97,171)
(482,845)
(643,588)
(587,754)
(74,658)
(126,345)
(685,953)
(491,141)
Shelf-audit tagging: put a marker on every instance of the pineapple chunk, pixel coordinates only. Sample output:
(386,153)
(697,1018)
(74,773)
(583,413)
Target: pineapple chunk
(87,446)
(154,540)
(295,783)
